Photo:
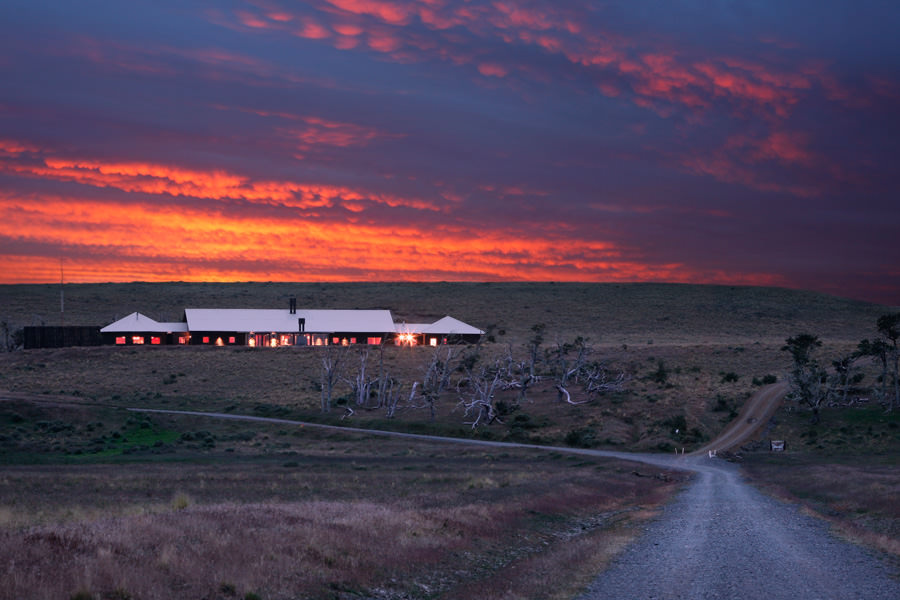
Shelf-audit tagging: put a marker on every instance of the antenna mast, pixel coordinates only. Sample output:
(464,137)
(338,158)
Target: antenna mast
(62,303)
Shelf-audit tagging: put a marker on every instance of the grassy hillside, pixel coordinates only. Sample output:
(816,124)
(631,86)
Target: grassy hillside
(692,354)
(98,502)
(606,313)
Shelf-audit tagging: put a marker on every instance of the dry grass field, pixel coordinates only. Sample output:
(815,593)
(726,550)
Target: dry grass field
(134,506)
(97,502)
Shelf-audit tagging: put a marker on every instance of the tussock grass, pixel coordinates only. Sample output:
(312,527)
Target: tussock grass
(290,533)
(857,495)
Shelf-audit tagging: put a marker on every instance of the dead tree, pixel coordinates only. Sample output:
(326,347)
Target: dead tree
(361,385)
(332,358)
(567,361)
(889,328)
(435,381)
(843,377)
(809,381)
(390,397)
(521,374)
(478,400)
(597,380)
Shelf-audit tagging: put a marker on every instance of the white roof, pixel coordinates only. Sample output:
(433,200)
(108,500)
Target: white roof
(282,321)
(138,322)
(446,326)
(402,327)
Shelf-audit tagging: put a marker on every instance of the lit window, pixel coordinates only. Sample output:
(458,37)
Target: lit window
(252,341)
(432,341)
(336,340)
(155,341)
(373,341)
(183,339)
(205,339)
(352,340)
(137,339)
(231,339)
(219,342)
(273,342)
(120,339)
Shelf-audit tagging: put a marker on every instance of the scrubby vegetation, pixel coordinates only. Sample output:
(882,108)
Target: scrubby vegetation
(131,505)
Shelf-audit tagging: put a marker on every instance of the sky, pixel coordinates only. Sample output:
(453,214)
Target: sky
(704,141)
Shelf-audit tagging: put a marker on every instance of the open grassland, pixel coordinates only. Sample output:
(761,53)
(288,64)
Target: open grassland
(180,507)
(693,388)
(126,505)
(692,354)
(842,469)
(609,314)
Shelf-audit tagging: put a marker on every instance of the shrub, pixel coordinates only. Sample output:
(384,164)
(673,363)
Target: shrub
(586,437)
(661,374)
(228,589)
(721,404)
(730,377)
(82,595)
(181,501)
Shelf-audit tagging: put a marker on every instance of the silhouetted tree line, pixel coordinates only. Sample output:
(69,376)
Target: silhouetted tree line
(813,383)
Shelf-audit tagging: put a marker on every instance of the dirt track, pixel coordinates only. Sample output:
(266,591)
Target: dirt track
(756,412)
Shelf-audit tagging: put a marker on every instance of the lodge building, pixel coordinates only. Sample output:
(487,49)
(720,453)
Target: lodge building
(285,327)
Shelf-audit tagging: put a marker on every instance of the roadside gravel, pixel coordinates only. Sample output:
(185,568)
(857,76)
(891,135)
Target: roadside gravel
(722,539)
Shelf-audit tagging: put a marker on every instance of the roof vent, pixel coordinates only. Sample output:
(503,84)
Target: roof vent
(292,305)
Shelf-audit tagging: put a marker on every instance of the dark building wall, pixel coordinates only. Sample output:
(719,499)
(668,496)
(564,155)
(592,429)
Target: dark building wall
(146,338)
(61,337)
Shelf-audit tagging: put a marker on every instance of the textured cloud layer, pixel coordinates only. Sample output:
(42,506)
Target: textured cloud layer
(441,140)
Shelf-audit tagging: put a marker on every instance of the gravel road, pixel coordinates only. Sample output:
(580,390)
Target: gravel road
(722,539)
(719,539)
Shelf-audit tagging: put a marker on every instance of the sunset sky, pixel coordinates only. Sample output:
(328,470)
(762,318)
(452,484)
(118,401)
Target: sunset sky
(266,140)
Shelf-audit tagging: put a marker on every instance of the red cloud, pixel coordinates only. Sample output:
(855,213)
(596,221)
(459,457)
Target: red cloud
(389,12)
(120,242)
(14,147)
(492,70)
(159,179)
(313,30)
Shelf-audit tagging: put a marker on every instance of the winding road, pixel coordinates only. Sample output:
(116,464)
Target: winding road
(719,539)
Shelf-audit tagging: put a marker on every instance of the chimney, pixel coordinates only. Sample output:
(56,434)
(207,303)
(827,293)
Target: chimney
(293,305)
(301,323)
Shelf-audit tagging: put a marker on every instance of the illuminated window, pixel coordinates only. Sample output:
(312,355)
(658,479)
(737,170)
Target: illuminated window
(231,339)
(183,339)
(252,341)
(352,340)
(137,339)
(205,339)
(219,342)
(373,341)
(155,341)
(336,340)
(273,342)
(120,339)
(432,341)
(285,340)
